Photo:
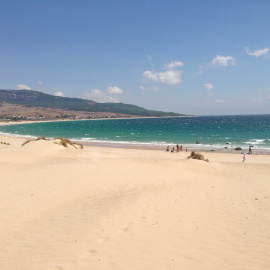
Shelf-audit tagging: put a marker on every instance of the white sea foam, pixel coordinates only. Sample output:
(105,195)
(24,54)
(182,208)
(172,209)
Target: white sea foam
(84,139)
(203,147)
(18,135)
(255,141)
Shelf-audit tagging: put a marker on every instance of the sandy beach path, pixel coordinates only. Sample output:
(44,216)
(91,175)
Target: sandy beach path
(101,208)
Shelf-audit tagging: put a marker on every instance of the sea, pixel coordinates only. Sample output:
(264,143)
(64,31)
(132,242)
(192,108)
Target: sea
(208,133)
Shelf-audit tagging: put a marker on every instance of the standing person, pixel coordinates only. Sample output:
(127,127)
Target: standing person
(250,150)
(244,157)
(181,147)
(177,148)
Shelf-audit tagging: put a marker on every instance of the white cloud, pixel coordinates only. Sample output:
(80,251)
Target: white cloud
(141,87)
(174,65)
(209,86)
(167,77)
(99,96)
(258,53)
(170,77)
(23,87)
(150,75)
(58,94)
(114,90)
(40,82)
(224,61)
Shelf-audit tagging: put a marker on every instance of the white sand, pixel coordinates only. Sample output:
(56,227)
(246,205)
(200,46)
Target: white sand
(105,208)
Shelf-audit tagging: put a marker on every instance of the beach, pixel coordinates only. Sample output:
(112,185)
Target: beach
(114,208)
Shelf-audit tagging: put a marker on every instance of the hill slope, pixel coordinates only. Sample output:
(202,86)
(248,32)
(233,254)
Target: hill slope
(30,98)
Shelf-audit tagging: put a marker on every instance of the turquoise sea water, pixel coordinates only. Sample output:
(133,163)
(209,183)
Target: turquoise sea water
(213,132)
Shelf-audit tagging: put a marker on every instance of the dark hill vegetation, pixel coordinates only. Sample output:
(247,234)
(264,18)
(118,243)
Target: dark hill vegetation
(29,98)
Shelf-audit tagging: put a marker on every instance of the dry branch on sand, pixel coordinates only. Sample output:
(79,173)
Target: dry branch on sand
(66,143)
(195,155)
(31,140)
(61,141)
(5,143)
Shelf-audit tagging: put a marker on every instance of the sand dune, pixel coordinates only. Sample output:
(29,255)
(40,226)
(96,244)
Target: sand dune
(105,208)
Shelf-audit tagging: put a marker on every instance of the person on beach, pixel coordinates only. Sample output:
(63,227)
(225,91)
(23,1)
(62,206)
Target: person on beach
(172,151)
(177,148)
(181,147)
(250,150)
(168,148)
(244,157)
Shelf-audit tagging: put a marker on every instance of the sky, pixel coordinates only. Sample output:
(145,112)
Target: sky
(208,57)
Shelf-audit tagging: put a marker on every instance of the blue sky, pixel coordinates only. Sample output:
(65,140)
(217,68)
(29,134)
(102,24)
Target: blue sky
(196,57)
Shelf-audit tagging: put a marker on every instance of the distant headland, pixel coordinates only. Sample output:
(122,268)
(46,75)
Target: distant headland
(21,105)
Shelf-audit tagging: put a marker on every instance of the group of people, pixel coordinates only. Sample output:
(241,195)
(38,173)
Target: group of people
(249,151)
(178,148)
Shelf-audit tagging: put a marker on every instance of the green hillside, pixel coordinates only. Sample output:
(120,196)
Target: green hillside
(29,98)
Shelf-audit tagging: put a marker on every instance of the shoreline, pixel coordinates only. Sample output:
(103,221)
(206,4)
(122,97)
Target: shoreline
(4,123)
(138,145)
(149,146)
(163,148)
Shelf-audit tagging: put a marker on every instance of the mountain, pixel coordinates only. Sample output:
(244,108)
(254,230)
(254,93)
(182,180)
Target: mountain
(35,99)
